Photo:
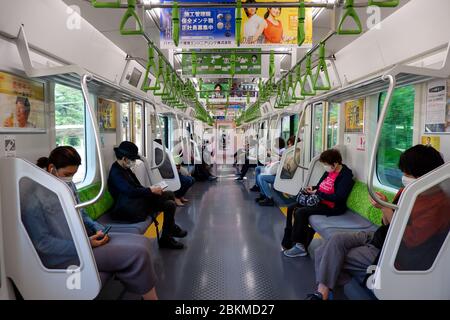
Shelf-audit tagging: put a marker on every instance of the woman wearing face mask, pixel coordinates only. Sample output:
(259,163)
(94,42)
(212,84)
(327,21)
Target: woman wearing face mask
(125,255)
(353,252)
(333,189)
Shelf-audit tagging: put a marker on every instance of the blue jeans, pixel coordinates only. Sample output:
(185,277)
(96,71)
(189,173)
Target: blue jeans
(264,182)
(186,182)
(258,170)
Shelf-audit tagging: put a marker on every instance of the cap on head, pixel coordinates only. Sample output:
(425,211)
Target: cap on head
(127,149)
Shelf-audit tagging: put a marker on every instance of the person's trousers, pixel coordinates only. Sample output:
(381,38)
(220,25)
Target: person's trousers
(344,254)
(165,203)
(128,257)
(258,171)
(264,181)
(186,182)
(301,231)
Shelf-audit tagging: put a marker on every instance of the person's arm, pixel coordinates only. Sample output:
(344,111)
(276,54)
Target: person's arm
(324,176)
(122,184)
(90,224)
(341,190)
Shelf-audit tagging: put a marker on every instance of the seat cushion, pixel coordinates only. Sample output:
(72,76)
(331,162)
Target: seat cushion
(125,227)
(104,277)
(347,222)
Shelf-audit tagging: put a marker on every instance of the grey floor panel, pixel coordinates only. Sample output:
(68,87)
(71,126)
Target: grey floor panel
(232,250)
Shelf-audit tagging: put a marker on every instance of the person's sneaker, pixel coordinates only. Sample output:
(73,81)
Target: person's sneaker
(177,232)
(314,296)
(170,243)
(255,188)
(260,198)
(239,179)
(267,202)
(296,251)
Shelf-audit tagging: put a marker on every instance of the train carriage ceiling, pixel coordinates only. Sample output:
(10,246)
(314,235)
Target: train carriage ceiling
(107,22)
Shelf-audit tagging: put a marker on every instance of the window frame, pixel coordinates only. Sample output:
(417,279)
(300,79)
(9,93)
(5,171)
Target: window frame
(313,109)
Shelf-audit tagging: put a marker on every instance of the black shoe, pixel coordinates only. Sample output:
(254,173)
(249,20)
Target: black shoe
(260,198)
(287,243)
(239,179)
(314,296)
(266,203)
(170,243)
(255,188)
(177,232)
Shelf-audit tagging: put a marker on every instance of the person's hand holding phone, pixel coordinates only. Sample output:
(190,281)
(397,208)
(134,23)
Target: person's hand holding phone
(99,239)
(310,190)
(156,190)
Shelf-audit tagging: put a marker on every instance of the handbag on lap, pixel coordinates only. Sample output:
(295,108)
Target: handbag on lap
(307,200)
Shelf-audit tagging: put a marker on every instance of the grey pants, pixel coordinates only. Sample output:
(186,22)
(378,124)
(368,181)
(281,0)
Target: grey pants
(128,256)
(342,255)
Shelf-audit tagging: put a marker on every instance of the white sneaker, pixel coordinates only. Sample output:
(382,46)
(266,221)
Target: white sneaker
(296,251)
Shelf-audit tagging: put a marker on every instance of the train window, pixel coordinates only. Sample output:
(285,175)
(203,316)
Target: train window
(125,121)
(317,126)
(286,127)
(138,127)
(70,124)
(332,124)
(428,227)
(44,220)
(295,124)
(396,136)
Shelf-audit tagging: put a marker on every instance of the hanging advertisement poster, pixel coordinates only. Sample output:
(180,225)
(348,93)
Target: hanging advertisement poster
(432,141)
(219,65)
(106,115)
(220,90)
(437,118)
(200,27)
(22,104)
(354,116)
(273,26)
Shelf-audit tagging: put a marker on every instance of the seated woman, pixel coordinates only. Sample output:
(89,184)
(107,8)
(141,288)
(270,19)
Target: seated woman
(126,255)
(353,252)
(134,202)
(265,180)
(333,190)
(186,181)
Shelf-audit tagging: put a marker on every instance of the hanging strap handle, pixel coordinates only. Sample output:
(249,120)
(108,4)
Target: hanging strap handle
(301,35)
(150,66)
(349,12)
(308,78)
(322,67)
(176,23)
(238,22)
(384,4)
(131,13)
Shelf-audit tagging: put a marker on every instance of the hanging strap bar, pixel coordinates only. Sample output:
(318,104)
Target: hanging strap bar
(384,4)
(99,4)
(349,11)
(150,66)
(373,156)
(238,22)
(322,67)
(175,23)
(308,79)
(301,35)
(131,13)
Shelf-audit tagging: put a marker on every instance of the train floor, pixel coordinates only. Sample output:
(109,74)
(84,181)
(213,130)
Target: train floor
(232,250)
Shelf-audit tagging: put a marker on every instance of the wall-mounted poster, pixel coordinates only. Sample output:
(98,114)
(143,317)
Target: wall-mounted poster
(218,65)
(354,116)
(106,114)
(22,104)
(432,141)
(273,26)
(437,118)
(200,27)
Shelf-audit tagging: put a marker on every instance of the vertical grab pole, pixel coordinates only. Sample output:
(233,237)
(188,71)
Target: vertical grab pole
(392,83)
(93,120)
(296,137)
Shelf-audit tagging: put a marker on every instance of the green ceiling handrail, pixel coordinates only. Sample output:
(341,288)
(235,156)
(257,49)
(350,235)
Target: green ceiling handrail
(131,13)
(384,4)
(176,23)
(308,78)
(322,67)
(98,4)
(238,22)
(349,12)
(301,35)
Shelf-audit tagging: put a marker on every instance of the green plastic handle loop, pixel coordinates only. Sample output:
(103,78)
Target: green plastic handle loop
(238,22)
(301,35)
(164,92)
(175,23)
(384,4)
(194,63)
(131,13)
(272,65)
(297,84)
(150,65)
(308,79)
(233,64)
(322,67)
(98,4)
(349,12)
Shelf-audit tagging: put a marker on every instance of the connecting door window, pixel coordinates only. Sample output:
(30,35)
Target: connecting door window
(317,127)
(332,124)
(139,127)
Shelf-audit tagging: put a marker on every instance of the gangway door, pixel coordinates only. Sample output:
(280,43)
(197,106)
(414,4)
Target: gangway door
(47,251)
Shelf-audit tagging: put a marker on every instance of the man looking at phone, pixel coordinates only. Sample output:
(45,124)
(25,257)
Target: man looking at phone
(134,202)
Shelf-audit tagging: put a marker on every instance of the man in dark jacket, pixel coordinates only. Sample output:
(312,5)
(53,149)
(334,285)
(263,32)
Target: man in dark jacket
(134,202)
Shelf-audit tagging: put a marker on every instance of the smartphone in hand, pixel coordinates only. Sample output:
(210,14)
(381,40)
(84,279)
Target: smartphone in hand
(105,232)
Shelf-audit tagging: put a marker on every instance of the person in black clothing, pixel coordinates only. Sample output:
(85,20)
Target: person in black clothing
(351,253)
(333,190)
(133,202)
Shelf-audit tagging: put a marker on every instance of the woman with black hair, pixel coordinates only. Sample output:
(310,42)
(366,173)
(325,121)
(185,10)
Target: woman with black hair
(126,255)
(352,253)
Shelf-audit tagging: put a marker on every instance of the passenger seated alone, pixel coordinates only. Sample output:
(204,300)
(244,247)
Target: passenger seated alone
(352,253)
(134,202)
(125,255)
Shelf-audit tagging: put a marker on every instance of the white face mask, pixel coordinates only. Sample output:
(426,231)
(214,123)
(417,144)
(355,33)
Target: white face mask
(66,179)
(407,180)
(328,168)
(130,164)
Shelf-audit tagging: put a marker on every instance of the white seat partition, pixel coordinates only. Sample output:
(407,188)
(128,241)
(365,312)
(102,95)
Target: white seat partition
(40,237)
(415,259)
